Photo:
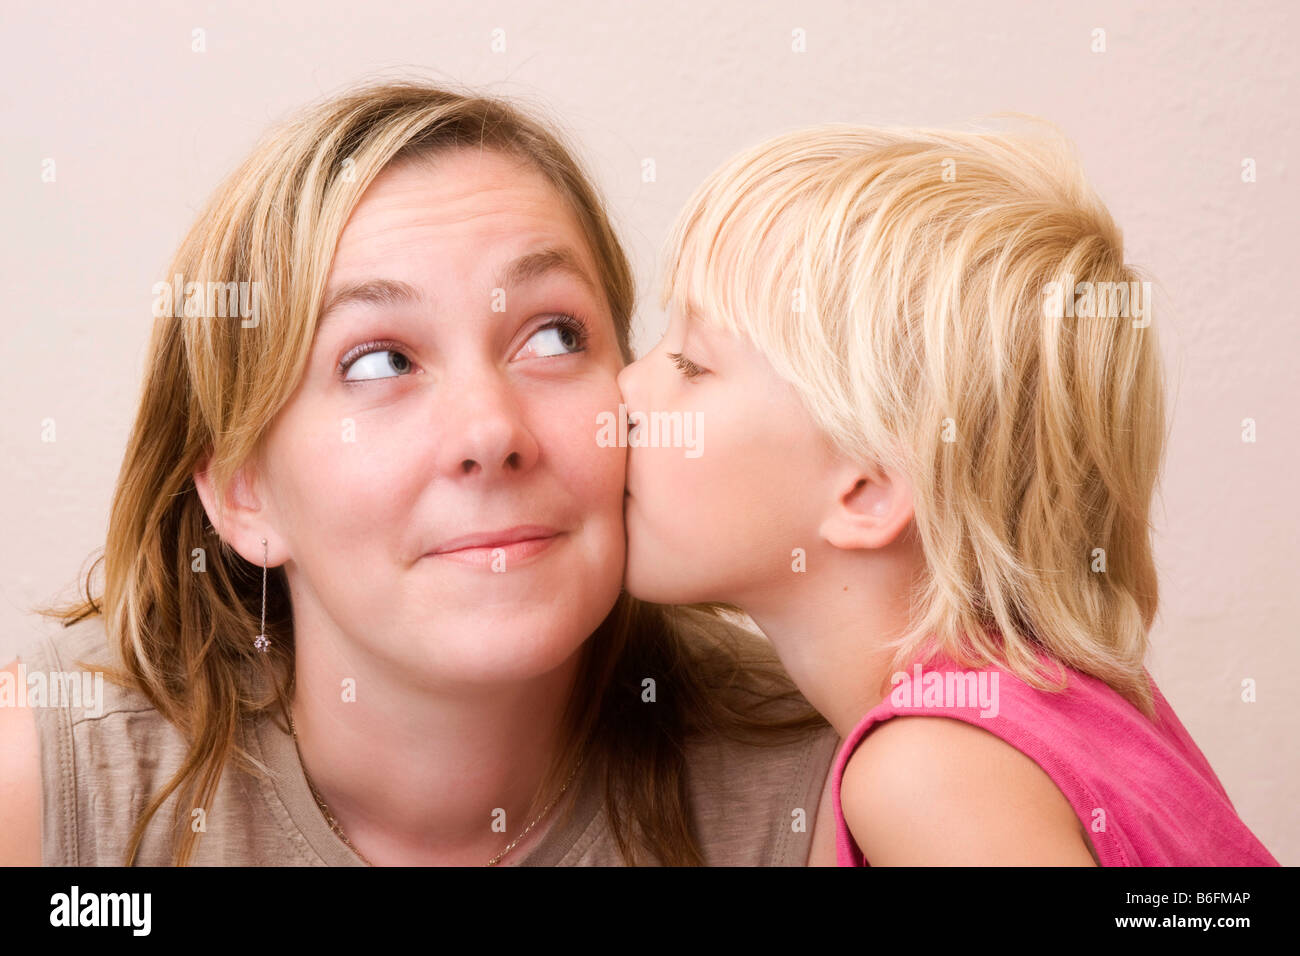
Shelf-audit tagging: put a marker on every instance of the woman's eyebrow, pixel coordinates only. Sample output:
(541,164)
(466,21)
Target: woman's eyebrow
(523,269)
(372,291)
(532,265)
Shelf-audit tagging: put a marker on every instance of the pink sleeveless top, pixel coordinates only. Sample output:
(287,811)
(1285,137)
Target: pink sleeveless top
(1143,791)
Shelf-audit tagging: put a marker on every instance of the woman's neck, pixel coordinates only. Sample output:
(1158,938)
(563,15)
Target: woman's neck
(415,776)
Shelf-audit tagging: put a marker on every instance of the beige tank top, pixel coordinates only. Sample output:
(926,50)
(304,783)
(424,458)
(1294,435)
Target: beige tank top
(104,756)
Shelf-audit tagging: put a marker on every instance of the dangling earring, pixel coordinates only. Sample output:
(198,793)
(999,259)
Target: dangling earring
(260,642)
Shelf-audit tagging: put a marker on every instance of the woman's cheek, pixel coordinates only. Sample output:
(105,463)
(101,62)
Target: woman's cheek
(343,477)
(608,460)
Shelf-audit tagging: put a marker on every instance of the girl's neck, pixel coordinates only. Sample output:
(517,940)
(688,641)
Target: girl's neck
(830,625)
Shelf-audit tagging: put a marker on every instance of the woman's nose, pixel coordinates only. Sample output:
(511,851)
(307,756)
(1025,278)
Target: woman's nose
(485,431)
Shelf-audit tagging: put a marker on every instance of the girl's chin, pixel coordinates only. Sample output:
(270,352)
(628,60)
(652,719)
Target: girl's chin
(656,588)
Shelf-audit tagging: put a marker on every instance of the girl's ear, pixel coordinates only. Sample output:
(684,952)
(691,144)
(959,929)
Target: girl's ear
(871,507)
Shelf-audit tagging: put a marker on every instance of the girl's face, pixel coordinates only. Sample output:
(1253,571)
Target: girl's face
(722,523)
(435,481)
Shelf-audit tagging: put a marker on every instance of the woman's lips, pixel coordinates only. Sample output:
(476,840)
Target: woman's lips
(514,545)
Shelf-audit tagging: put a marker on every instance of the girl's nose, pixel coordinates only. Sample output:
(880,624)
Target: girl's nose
(627,379)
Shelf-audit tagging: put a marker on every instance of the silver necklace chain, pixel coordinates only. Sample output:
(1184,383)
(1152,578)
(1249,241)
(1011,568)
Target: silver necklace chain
(334,824)
(261,644)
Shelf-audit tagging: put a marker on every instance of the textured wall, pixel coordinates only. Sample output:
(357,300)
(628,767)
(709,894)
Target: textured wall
(141,128)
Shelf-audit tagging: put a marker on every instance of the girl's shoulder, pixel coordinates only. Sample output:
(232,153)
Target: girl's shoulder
(944,792)
(994,773)
(1003,740)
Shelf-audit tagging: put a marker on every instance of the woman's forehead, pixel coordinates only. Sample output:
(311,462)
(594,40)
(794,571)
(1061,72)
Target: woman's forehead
(462,199)
(535,264)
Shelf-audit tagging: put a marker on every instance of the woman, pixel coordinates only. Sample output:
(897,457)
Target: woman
(362,579)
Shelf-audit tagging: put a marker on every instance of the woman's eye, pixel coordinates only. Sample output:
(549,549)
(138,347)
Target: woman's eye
(685,365)
(379,362)
(564,336)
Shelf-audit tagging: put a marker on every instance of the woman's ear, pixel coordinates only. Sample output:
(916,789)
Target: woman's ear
(871,507)
(238,517)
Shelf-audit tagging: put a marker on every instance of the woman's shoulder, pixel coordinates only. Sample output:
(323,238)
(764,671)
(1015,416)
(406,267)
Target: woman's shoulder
(757,804)
(100,747)
(756,795)
(20,769)
(66,668)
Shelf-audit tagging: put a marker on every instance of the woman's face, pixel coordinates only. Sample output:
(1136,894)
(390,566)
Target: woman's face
(442,499)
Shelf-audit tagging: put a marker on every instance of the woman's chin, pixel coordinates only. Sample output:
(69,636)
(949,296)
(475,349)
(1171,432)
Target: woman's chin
(495,656)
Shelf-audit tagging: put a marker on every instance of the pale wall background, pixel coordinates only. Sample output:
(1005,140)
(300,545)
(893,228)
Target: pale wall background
(141,129)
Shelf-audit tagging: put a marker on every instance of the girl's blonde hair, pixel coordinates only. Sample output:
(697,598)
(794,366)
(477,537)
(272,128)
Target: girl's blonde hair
(213,386)
(918,288)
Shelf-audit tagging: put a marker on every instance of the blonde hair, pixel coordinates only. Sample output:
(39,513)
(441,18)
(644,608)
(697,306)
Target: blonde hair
(213,387)
(899,279)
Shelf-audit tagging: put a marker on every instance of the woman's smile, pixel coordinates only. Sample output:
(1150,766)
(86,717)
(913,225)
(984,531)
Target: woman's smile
(500,550)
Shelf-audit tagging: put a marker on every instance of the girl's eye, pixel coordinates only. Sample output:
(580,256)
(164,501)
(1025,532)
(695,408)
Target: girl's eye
(563,335)
(369,362)
(685,365)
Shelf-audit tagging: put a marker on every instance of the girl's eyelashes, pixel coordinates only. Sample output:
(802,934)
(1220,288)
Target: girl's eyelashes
(685,365)
(564,334)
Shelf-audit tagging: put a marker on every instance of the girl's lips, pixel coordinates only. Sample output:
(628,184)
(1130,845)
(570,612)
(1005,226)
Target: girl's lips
(511,547)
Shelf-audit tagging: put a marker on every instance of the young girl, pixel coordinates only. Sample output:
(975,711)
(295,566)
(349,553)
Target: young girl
(928,414)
